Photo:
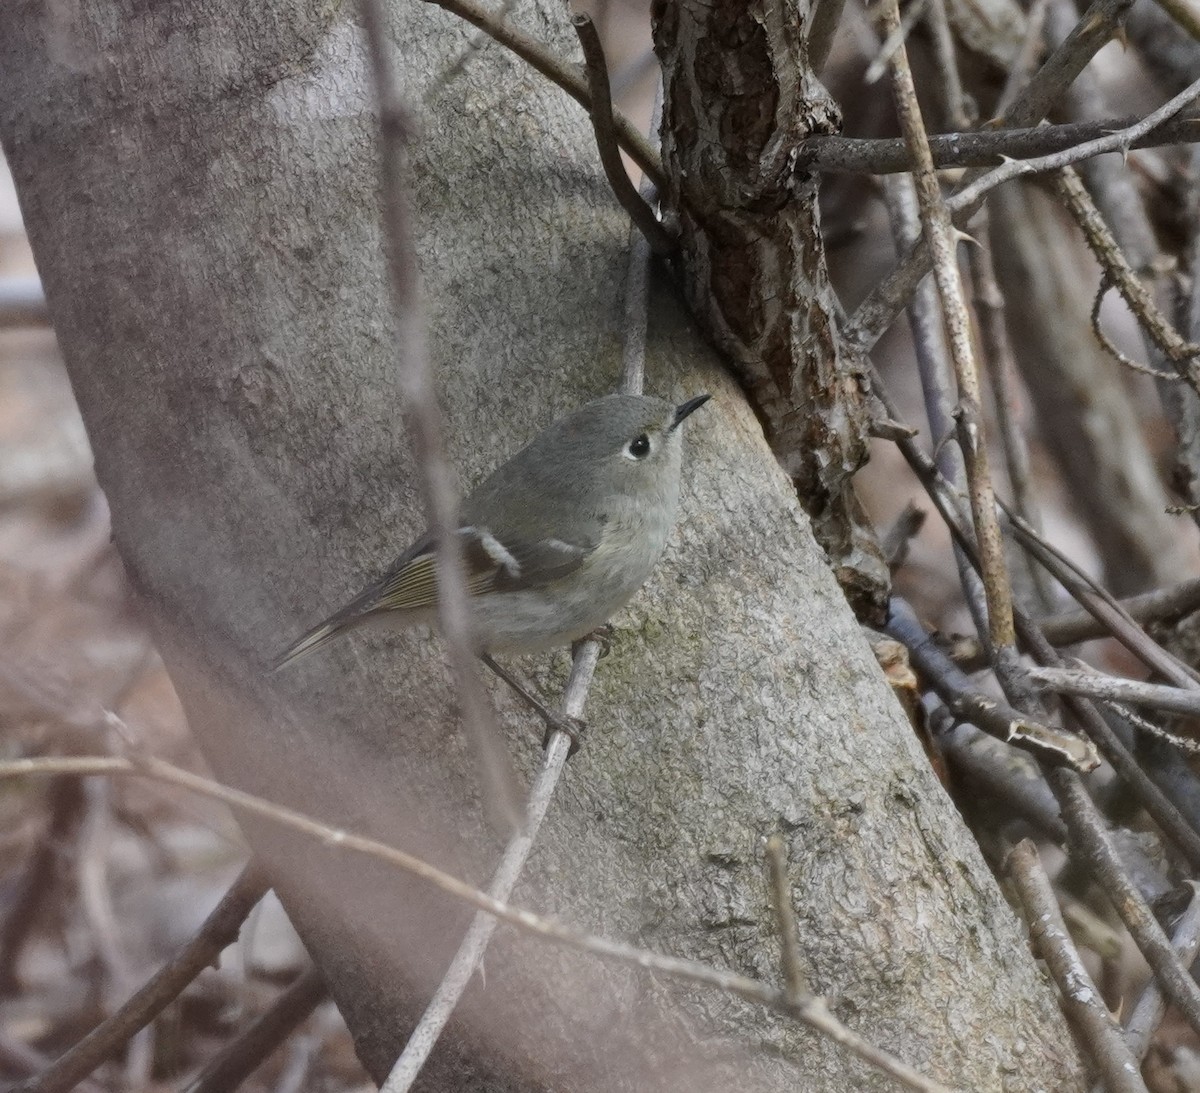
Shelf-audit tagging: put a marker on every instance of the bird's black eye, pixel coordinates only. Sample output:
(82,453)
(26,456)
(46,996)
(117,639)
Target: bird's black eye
(639,447)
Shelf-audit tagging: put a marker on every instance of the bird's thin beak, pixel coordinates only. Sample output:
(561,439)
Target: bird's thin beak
(685,408)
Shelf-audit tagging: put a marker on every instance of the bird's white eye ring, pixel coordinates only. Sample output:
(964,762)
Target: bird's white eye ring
(639,447)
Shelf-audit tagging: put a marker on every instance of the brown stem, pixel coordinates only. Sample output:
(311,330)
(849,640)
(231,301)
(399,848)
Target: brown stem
(1100,1036)
(220,929)
(601,113)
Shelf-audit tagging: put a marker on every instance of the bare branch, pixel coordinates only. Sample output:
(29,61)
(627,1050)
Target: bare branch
(1151,1006)
(811,1011)
(785,919)
(470,952)
(1184,14)
(1000,370)
(968,704)
(1162,605)
(245,1054)
(560,72)
(826,15)
(220,929)
(1088,834)
(601,112)
(1120,141)
(37,881)
(941,236)
(1101,1036)
(1093,684)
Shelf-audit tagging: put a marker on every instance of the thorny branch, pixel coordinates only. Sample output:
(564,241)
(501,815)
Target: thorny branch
(877,312)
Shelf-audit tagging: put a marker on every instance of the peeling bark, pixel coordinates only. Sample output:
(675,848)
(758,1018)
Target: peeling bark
(738,101)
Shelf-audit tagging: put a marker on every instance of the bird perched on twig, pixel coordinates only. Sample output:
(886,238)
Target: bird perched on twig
(554,541)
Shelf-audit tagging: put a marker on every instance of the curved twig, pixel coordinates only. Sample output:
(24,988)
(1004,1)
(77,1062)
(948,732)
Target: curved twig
(601,113)
(558,71)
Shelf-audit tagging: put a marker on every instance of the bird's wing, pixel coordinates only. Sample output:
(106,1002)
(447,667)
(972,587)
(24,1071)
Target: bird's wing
(492,564)
(507,556)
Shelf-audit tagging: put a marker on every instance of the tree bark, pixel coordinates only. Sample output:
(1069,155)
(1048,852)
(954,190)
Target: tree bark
(199,185)
(739,98)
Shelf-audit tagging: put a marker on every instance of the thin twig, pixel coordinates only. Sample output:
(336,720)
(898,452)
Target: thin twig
(1022,67)
(1120,141)
(220,929)
(1184,14)
(957,111)
(1100,1035)
(984,148)
(1179,353)
(637,278)
(785,919)
(966,703)
(826,15)
(424,420)
(242,1056)
(37,882)
(1102,605)
(812,1011)
(896,37)
(1161,605)
(1107,344)
(558,71)
(897,539)
(470,952)
(1150,1008)
(1144,725)
(1001,375)
(19,1056)
(941,236)
(95,899)
(1088,834)
(610,155)
(1093,684)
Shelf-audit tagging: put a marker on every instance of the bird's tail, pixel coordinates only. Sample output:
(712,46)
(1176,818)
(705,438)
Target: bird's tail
(313,640)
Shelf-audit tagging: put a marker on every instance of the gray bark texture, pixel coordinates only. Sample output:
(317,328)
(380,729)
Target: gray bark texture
(199,182)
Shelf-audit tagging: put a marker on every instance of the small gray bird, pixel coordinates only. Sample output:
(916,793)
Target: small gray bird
(555,540)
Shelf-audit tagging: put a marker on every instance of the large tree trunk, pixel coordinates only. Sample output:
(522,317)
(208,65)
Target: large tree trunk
(199,183)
